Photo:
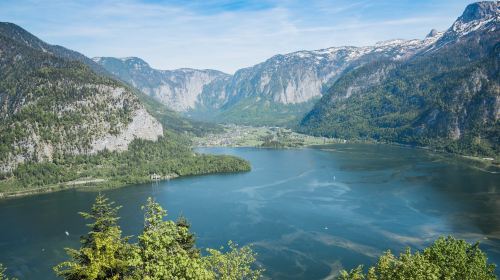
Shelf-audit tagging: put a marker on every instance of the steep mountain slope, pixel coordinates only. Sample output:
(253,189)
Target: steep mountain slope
(175,122)
(51,106)
(278,91)
(23,37)
(446,96)
(181,90)
(64,125)
(301,76)
(282,89)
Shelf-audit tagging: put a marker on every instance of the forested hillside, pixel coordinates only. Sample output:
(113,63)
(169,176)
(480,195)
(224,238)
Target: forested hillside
(61,121)
(446,97)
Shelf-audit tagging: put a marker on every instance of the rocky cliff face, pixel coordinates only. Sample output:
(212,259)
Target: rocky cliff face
(301,76)
(141,126)
(284,84)
(480,16)
(284,87)
(52,105)
(181,90)
(445,96)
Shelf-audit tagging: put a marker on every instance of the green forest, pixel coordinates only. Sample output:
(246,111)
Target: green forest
(51,101)
(170,156)
(443,100)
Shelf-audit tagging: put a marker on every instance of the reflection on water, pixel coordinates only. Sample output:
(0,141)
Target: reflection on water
(308,213)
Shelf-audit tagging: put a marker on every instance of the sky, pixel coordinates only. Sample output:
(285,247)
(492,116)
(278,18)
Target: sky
(222,34)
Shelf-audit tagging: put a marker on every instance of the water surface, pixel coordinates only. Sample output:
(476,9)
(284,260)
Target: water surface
(307,212)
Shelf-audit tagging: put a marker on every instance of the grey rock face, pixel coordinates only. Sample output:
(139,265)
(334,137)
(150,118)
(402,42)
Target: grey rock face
(480,11)
(477,17)
(181,89)
(301,76)
(53,104)
(286,79)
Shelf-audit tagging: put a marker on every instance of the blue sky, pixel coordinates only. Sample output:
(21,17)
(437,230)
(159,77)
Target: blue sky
(222,34)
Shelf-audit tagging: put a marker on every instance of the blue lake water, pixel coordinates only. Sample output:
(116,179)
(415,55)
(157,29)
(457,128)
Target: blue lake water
(307,212)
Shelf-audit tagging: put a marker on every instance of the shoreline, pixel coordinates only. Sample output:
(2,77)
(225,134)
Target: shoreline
(112,183)
(478,159)
(97,184)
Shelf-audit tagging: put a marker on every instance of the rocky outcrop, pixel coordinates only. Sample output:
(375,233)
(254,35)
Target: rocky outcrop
(52,105)
(444,96)
(142,126)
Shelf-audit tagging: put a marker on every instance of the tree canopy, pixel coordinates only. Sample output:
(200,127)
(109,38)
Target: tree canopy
(165,250)
(447,258)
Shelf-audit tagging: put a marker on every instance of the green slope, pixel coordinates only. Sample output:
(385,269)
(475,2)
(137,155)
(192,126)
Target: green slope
(258,111)
(53,107)
(447,99)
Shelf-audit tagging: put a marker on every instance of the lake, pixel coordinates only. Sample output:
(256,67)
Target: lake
(307,212)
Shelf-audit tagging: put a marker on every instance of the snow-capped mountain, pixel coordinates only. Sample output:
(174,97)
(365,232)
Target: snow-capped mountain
(290,79)
(181,90)
(480,16)
(285,82)
(446,96)
(301,76)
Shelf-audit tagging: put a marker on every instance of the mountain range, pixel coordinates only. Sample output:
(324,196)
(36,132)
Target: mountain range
(441,91)
(446,96)
(65,119)
(325,92)
(277,91)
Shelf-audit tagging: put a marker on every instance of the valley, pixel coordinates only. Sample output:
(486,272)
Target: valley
(249,136)
(317,161)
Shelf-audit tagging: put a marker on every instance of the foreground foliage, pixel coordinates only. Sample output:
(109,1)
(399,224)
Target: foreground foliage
(2,273)
(165,250)
(447,258)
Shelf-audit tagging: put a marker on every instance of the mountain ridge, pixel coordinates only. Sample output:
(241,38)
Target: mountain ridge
(180,89)
(22,36)
(446,97)
(284,88)
(284,82)
(62,122)
(47,114)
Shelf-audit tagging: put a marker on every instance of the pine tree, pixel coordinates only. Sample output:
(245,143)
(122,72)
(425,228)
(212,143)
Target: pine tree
(447,258)
(235,264)
(2,273)
(166,250)
(162,255)
(186,239)
(104,253)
